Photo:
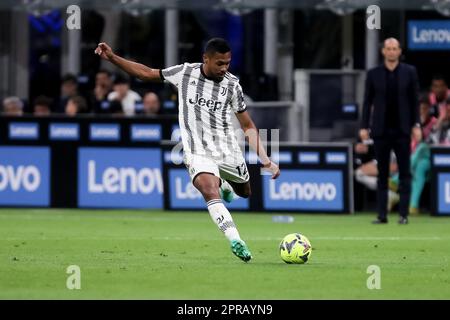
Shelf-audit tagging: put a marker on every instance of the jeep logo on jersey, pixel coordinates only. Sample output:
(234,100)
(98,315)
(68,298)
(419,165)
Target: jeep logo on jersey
(212,104)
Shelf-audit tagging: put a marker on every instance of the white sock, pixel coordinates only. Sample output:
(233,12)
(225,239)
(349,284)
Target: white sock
(222,217)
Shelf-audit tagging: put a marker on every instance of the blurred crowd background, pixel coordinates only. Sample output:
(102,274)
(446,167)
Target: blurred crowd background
(47,69)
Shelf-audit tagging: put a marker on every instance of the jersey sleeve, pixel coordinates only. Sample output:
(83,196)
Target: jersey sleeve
(173,74)
(237,99)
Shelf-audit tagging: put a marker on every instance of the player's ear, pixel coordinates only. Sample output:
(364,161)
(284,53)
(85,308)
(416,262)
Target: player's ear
(205,58)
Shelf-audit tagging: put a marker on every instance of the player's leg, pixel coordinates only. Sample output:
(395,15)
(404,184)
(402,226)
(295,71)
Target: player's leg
(205,177)
(226,191)
(243,190)
(229,188)
(208,185)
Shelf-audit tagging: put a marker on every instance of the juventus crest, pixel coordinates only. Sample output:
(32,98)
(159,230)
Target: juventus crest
(223,90)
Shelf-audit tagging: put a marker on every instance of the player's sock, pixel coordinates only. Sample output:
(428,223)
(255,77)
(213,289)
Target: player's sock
(226,191)
(222,217)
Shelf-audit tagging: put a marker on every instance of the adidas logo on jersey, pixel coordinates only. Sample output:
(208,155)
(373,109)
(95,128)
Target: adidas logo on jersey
(193,83)
(212,104)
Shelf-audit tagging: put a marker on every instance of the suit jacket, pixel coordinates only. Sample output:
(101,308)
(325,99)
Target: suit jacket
(374,107)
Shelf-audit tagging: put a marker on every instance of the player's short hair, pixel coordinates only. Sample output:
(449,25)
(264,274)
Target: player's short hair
(217,45)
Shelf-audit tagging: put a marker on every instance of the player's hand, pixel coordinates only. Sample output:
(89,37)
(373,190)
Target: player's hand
(104,51)
(272,168)
(364,134)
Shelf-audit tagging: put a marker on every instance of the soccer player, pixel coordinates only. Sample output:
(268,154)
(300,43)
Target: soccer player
(208,94)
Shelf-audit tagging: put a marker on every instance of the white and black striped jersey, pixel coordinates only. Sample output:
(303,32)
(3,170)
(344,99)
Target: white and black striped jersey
(205,107)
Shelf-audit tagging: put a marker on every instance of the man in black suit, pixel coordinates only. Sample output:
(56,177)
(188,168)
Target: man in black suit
(390,115)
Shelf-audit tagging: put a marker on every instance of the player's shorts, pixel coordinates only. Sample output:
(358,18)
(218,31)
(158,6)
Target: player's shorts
(235,171)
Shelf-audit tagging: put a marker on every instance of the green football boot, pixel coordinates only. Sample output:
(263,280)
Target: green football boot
(240,250)
(227,195)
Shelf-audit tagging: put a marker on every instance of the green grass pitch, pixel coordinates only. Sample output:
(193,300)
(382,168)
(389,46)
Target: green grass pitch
(182,255)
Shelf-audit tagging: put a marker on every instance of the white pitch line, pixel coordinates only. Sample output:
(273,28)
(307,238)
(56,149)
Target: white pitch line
(317,238)
(101,218)
(248,239)
(322,238)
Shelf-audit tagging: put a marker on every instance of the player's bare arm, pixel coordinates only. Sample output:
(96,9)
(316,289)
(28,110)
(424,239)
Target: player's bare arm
(135,69)
(251,132)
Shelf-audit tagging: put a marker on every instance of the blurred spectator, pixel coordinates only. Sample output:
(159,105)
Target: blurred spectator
(441,132)
(103,83)
(438,96)
(42,106)
(366,173)
(125,95)
(99,96)
(169,100)
(363,152)
(365,164)
(108,107)
(12,106)
(366,170)
(76,105)
(69,88)
(420,169)
(151,104)
(420,158)
(427,120)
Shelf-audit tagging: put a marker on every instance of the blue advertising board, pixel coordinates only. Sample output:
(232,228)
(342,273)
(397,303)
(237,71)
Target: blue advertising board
(23,131)
(429,35)
(120,178)
(308,157)
(183,195)
(64,131)
(443,193)
(304,190)
(24,176)
(146,132)
(104,132)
